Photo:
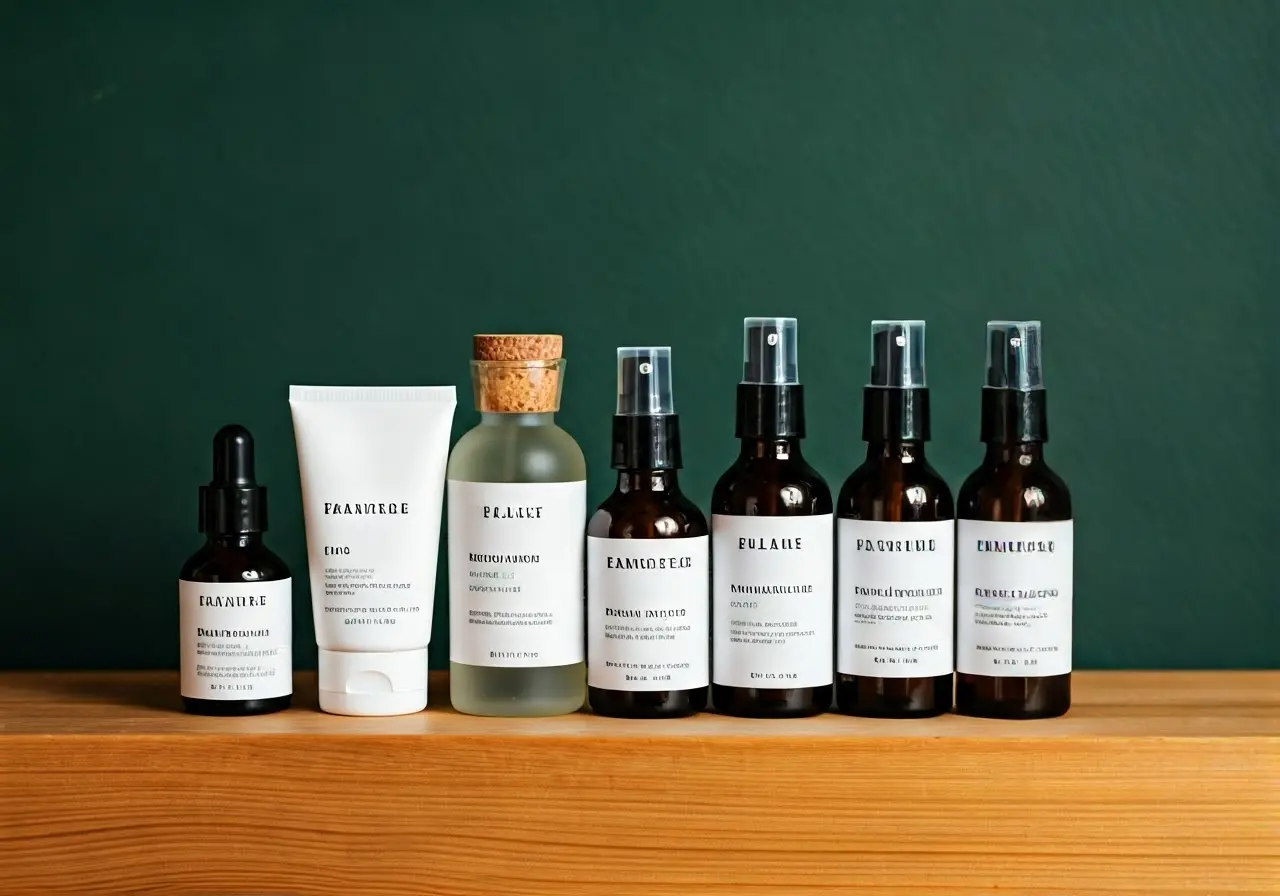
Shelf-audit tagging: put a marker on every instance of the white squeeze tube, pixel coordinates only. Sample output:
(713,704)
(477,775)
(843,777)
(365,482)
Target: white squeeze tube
(372,462)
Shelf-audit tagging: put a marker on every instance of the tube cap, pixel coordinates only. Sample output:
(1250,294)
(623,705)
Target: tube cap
(897,354)
(373,684)
(770,351)
(1013,355)
(644,381)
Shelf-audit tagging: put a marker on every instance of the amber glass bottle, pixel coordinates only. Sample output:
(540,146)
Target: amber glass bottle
(896,547)
(772,545)
(235,597)
(648,559)
(1014,547)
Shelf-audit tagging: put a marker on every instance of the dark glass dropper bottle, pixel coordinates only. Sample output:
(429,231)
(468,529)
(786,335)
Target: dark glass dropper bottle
(896,484)
(1015,486)
(771,478)
(233,516)
(647,505)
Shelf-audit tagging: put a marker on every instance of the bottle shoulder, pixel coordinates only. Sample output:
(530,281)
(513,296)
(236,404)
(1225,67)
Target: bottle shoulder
(226,565)
(647,515)
(771,487)
(1014,492)
(544,453)
(894,491)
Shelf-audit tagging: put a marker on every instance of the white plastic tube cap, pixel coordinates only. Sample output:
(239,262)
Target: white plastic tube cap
(373,684)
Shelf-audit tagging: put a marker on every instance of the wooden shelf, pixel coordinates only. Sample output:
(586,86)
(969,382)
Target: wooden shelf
(1155,783)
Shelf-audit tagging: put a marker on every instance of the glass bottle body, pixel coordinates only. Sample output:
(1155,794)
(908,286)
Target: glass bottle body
(1014,485)
(234,559)
(897,485)
(517,448)
(770,478)
(647,504)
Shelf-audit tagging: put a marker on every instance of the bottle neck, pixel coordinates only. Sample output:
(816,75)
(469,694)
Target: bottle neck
(647,481)
(904,450)
(490,418)
(1014,452)
(241,540)
(770,449)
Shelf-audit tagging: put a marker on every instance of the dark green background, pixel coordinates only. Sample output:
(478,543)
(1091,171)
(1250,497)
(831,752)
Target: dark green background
(201,203)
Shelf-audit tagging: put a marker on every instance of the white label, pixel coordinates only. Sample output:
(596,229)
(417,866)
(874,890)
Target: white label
(896,598)
(772,601)
(236,639)
(1013,600)
(648,611)
(515,573)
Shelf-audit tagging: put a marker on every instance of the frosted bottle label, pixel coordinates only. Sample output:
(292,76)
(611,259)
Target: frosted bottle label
(1013,598)
(896,599)
(236,639)
(515,573)
(772,601)
(648,612)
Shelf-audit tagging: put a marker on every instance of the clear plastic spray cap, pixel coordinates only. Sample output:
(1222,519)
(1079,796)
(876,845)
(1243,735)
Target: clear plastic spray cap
(644,381)
(1013,355)
(897,354)
(769,350)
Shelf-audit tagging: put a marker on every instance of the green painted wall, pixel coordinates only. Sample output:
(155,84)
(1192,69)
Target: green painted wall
(201,203)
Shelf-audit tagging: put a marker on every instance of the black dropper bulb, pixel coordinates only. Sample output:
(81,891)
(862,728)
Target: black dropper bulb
(233,503)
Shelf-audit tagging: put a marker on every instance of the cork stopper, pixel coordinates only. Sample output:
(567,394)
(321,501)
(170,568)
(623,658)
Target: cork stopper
(517,348)
(517,374)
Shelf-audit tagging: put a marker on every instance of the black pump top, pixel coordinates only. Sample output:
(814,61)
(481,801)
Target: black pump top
(770,397)
(895,404)
(233,503)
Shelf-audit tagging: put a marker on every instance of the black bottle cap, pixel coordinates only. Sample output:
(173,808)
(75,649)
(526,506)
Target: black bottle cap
(895,404)
(1013,399)
(770,397)
(233,503)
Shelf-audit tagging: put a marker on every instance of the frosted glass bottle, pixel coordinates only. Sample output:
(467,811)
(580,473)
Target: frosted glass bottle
(517,443)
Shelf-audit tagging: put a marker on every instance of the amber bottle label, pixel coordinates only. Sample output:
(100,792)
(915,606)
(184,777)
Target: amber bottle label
(1013,598)
(236,639)
(772,601)
(515,573)
(648,613)
(896,598)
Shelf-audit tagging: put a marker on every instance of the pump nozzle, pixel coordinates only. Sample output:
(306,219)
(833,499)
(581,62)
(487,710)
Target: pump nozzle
(769,351)
(644,381)
(897,354)
(1013,355)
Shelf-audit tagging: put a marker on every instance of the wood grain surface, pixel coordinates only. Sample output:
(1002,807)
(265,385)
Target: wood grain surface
(1156,783)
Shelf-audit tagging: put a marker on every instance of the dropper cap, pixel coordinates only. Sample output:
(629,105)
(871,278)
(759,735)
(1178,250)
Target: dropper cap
(897,354)
(233,503)
(644,381)
(1013,355)
(770,348)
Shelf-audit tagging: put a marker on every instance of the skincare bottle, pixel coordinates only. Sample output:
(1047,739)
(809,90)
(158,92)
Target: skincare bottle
(371,460)
(1014,547)
(235,599)
(895,541)
(517,509)
(771,543)
(648,559)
